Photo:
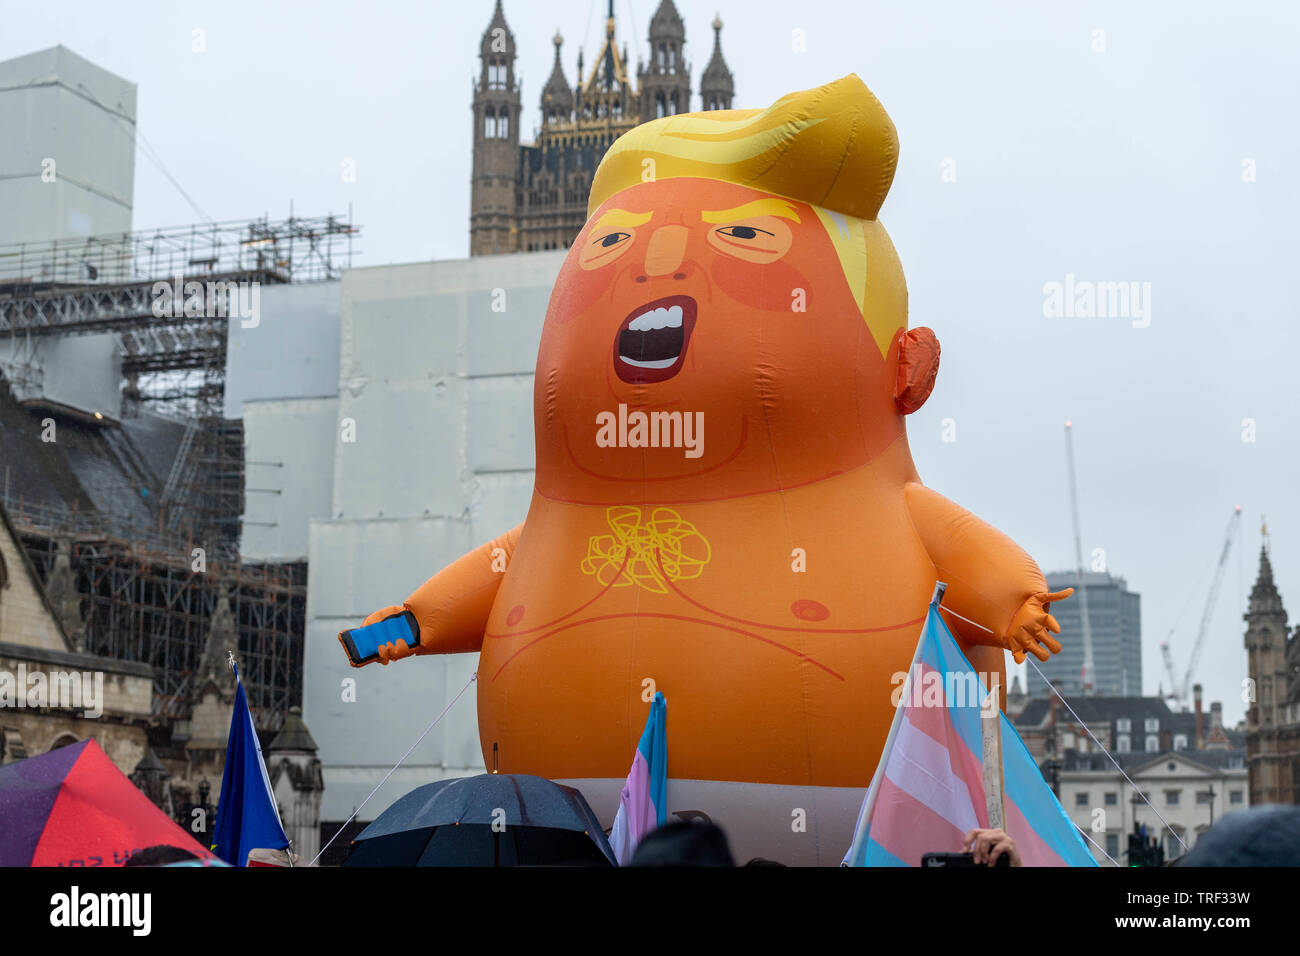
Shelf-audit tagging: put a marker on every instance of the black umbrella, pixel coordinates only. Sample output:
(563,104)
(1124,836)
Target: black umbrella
(494,819)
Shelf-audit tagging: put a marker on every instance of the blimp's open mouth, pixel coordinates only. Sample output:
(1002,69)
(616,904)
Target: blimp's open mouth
(651,342)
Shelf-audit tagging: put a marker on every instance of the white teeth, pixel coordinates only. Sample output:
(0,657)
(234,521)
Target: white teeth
(657,363)
(658,319)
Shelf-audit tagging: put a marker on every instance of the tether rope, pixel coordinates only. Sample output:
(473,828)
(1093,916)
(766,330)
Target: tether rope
(472,677)
(1100,747)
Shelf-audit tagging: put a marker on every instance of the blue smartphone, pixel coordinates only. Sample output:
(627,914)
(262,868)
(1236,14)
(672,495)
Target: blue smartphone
(362,643)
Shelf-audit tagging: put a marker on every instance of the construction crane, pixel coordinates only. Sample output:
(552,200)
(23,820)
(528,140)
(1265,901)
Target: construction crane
(1082,592)
(1178,690)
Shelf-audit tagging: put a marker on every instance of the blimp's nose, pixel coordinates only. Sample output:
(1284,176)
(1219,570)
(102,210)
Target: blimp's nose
(666,249)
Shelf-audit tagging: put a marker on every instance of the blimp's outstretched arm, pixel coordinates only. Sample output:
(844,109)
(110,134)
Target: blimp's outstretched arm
(452,607)
(991,580)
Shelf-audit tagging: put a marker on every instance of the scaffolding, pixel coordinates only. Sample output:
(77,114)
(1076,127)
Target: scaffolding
(167,294)
(297,249)
(146,596)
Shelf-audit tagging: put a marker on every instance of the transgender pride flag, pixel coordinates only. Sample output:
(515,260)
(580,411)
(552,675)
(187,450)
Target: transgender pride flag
(928,790)
(643,805)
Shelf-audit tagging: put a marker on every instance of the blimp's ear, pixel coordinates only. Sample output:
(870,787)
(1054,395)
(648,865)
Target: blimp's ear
(918,364)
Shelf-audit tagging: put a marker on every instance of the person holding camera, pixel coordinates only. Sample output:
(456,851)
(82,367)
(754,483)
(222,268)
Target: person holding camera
(987,846)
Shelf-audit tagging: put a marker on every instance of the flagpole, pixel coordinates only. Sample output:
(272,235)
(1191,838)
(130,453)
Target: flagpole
(859,830)
(239,807)
(994,772)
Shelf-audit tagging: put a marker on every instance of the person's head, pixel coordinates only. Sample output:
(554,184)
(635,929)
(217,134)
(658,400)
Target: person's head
(684,843)
(1266,835)
(160,855)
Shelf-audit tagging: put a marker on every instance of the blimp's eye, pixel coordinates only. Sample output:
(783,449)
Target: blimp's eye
(743,232)
(760,240)
(605,248)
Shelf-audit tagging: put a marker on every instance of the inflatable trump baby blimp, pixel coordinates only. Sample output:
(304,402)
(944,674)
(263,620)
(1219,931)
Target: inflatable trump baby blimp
(725,507)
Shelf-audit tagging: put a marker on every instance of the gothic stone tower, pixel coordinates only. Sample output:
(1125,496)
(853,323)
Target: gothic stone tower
(665,81)
(296,780)
(1273,720)
(492,222)
(531,197)
(716,84)
(578,125)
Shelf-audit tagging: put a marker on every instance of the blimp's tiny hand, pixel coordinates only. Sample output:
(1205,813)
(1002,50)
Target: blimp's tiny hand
(1032,627)
(382,614)
(394,651)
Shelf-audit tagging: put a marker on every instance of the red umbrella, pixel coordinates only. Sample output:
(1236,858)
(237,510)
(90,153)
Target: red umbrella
(73,807)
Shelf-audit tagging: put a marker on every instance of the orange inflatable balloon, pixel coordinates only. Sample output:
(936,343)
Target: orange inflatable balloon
(725,506)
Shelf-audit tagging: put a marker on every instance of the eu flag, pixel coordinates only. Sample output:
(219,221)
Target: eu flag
(247,818)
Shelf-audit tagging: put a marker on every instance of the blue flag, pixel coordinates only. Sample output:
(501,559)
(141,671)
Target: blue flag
(247,817)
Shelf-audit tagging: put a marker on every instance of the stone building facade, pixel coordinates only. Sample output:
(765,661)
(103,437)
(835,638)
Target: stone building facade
(51,694)
(1273,717)
(526,198)
(298,784)
(1183,793)
(1189,766)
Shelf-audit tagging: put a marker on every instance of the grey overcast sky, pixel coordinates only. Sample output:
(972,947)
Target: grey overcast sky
(1109,141)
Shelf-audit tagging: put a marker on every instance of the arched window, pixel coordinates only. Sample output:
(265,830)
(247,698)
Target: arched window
(503,124)
(490,124)
(672,105)
(672,59)
(659,58)
(64,740)
(660,109)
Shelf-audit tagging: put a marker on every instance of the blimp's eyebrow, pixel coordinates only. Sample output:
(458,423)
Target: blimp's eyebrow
(751,210)
(623,218)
